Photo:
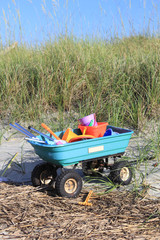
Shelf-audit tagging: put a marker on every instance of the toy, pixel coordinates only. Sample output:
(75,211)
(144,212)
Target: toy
(89,120)
(86,203)
(50,131)
(44,139)
(109,132)
(96,131)
(70,136)
(91,123)
(80,138)
(24,131)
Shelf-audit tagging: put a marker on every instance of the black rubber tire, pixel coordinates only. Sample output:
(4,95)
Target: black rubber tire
(40,174)
(121,173)
(62,181)
(89,167)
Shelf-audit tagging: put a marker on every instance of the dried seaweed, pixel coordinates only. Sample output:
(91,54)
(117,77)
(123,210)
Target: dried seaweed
(28,213)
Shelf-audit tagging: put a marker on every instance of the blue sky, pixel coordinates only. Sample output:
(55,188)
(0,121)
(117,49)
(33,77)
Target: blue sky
(37,20)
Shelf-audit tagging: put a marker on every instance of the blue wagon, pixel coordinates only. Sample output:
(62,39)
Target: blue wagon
(92,153)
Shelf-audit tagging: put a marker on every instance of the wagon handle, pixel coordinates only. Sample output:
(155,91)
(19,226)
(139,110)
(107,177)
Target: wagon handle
(49,130)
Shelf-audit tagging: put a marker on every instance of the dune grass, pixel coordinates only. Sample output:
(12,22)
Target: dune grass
(118,80)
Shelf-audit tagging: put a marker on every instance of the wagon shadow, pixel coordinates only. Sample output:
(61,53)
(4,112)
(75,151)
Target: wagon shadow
(21,175)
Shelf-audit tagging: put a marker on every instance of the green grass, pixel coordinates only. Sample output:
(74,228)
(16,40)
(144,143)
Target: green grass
(119,81)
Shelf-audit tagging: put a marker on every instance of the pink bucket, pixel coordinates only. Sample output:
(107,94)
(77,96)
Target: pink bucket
(85,121)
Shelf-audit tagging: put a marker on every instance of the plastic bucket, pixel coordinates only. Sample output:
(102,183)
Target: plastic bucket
(85,121)
(96,131)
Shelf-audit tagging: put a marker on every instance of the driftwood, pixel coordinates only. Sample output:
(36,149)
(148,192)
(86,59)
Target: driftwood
(29,213)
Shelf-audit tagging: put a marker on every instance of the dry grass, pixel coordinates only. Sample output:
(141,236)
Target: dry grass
(118,80)
(27,213)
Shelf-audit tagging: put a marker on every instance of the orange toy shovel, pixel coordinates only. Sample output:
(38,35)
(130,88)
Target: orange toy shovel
(49,130)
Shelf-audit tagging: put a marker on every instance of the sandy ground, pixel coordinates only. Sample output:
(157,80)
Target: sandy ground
(22,166)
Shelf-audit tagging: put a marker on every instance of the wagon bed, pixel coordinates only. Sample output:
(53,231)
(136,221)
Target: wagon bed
(73,153)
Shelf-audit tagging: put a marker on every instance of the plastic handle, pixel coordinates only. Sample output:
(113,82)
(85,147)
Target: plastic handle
(42,134)
(84,131)
(49,130)
(23,129)
(27,133)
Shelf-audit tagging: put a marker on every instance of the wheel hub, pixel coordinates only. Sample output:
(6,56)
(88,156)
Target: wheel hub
(46,177)
(124,173)
(70,185)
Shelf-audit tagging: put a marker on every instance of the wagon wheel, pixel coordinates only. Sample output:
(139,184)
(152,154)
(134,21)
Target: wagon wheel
(68,184)
(43,174)
(92,167)
(121,173)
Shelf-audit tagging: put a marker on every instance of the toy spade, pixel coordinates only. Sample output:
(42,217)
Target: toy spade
(50,131)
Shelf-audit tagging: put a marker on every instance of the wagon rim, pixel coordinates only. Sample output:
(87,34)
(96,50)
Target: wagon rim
(45,178)
(124,173)
(70,185)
